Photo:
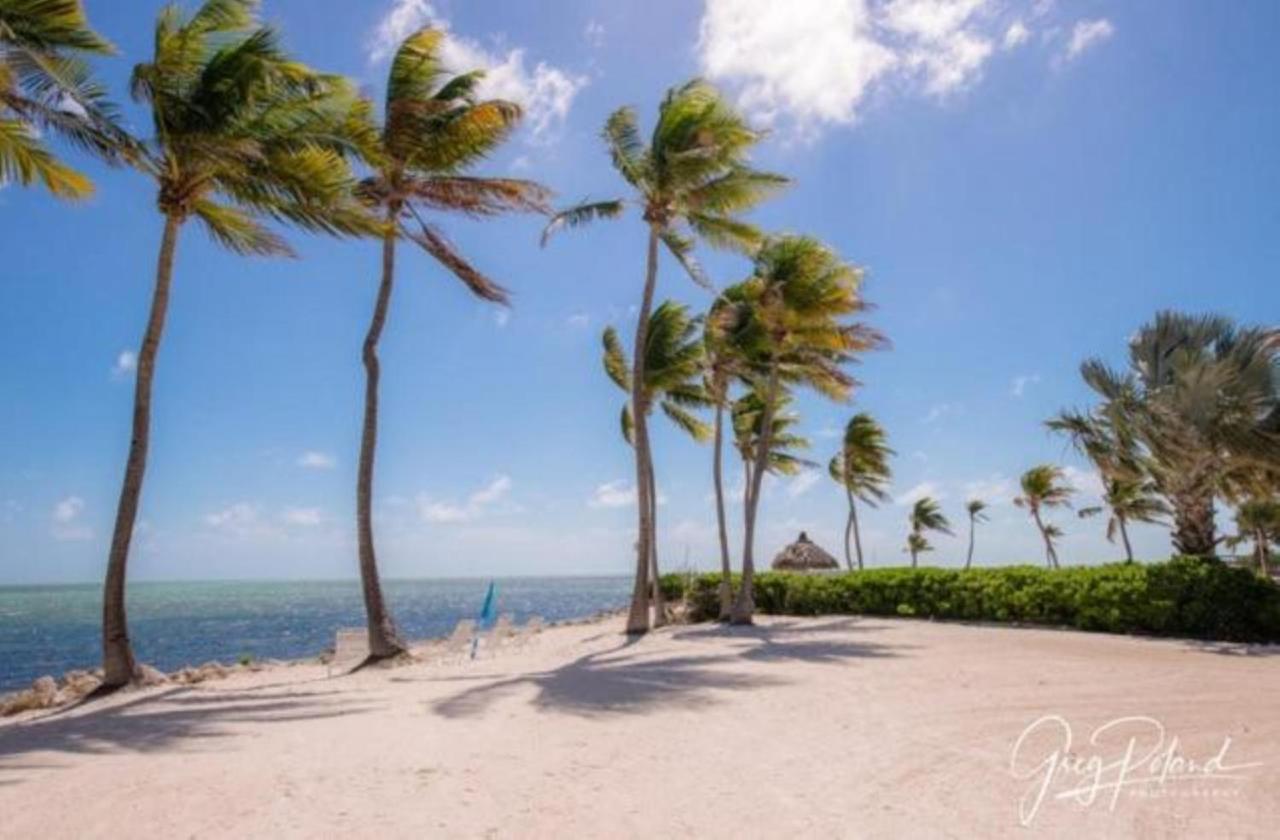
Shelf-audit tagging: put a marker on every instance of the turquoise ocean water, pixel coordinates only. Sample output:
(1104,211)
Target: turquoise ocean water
(53,629)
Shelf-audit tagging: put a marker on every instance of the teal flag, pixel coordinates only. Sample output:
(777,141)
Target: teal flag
(488,615)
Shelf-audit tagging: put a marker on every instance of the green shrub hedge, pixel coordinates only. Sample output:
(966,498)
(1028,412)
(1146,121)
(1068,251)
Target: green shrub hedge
(1186,596)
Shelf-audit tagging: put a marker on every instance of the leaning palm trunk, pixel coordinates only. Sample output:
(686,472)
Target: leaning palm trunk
(638,615)
(117,654)
(915,557)
(384,641)
(1124,537)
(968,558)
(726,586)
(1051,556)
(659,600)
(745,605)
(851,525)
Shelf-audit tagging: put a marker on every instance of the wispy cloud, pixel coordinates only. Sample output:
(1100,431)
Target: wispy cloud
(617,494)
(995,489)
(312,460)
(1019,386)
(68,525)
(579,320)
(475,505)
(593,34)
(125,365)
(938,411)
(501,317)
(803,483)
(1086,34)
(1016,35)
(546,92)
(306,517)
(919,491)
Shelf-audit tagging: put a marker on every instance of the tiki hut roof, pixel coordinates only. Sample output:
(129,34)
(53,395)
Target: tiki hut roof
(803,555)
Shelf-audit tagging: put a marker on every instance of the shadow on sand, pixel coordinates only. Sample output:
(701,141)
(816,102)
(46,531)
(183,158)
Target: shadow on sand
(158,721)
(625,680)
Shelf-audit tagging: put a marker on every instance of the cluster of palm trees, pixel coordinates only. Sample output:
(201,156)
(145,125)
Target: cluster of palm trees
(245,139)
(243,135)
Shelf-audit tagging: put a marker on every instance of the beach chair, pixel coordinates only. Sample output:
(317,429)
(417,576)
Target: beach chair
(458,644)
(350,648)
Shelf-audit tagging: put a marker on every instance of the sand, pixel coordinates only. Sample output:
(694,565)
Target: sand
(831,726)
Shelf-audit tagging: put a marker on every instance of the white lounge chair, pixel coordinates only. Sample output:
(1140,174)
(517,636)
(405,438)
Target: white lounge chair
(350,648)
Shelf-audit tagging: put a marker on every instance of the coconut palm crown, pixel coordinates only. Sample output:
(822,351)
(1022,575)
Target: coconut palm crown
(46,86)
(861,467)
(1044,487)
(1127,500)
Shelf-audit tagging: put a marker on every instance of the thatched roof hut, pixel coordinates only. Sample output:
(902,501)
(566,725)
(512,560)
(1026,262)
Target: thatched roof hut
(804,555)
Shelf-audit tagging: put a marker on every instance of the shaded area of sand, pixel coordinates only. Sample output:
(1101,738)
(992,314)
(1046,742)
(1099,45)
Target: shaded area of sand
(838,726)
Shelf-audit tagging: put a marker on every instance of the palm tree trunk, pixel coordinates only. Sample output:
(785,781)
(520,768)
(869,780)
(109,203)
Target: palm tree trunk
(745,605)
(848,532)
(659,601)
(1260,541)
(1124,537)
(858,532)
(384,641)
(118,664)
(638,615)
(968,560)
(1051,558)
(1193,523)
(726,585)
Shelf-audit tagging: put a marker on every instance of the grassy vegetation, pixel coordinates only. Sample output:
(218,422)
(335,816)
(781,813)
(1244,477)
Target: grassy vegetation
(1186,596)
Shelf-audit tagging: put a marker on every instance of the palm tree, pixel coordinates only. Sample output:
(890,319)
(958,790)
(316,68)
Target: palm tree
(1258,522)
(1128,500)
(925,516)
(242,132)
(45,85)
(1200,406)
(976,509)
(434,130)
(691,182)
(673,370)
(917,544)
(721,366)
(1044,487)
(798,294)
(861,467)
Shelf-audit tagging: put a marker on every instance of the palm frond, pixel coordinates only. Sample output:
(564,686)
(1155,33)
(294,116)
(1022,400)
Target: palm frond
(580,215)
(437,246)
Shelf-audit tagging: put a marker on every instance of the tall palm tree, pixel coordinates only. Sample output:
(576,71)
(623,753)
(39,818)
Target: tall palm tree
(1127,500)
(673,371)
(242,133)
(797,297)
(925,516)
(46,85)
(976,508)
(1200,405)
(434,129)
(1258,522)
(691,182)
(861,467)
(1044,487)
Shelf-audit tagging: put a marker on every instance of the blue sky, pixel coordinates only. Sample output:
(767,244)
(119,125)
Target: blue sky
(1025,182)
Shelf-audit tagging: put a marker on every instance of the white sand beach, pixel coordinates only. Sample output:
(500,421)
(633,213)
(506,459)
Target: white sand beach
(832,726)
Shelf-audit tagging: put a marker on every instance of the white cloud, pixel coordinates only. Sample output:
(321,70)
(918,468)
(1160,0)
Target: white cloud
(995,489)
(502,317)
(594,33)
(1019,385)
(617,494)
(475,506)
(1015,35)
(1087,33)
(613,494)
(579,320)
(924,488)
(940,410)
(302,516)
(1087,483)
(545,92)
(67,524)
(816,61)
(803,483)
(235,517)
(317,460)
(126,364)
